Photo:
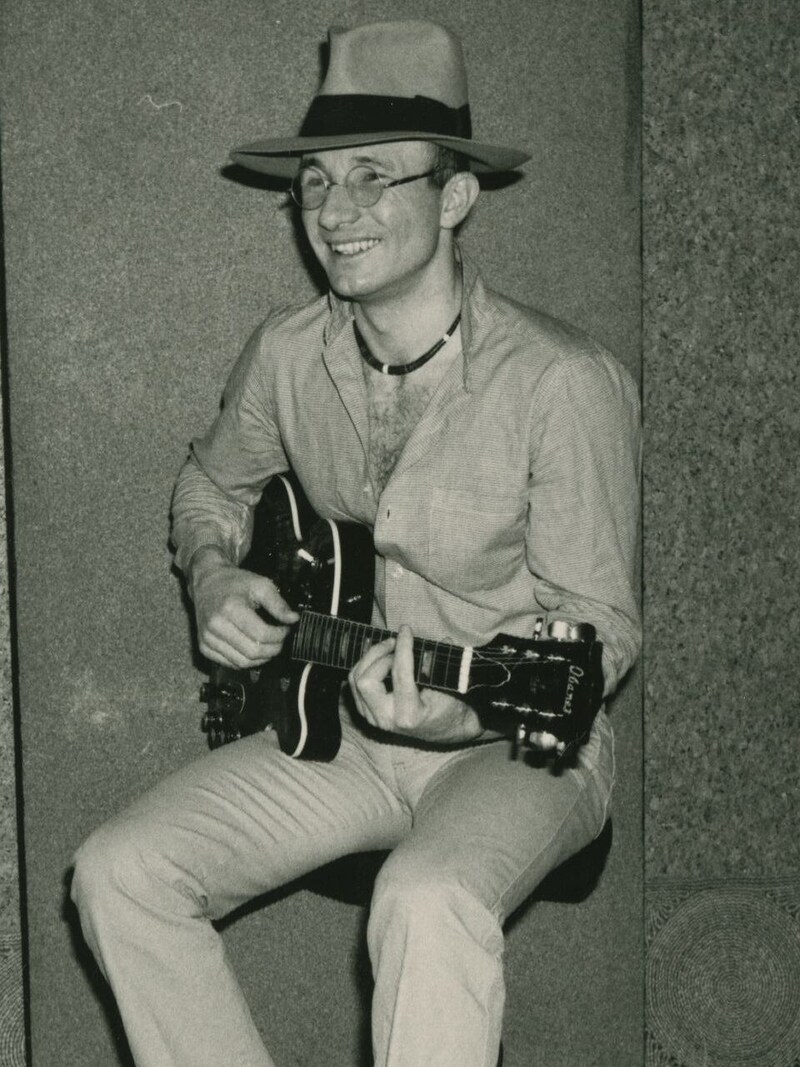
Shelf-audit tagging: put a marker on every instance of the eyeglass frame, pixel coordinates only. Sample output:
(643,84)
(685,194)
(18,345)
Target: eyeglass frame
(383,183)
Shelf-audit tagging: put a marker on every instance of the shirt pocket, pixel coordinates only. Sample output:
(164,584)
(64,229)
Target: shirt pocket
(476,540)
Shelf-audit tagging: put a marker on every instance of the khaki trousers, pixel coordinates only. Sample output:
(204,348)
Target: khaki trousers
(472,832)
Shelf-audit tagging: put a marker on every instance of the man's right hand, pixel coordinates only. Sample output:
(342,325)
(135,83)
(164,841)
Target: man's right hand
(226,601)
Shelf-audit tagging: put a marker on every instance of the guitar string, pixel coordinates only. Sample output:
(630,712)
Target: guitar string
(441,652)
(439,649)
(335,633)
(321,631)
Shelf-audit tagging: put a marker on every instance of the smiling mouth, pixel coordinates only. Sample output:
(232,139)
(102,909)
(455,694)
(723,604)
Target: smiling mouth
(352,248)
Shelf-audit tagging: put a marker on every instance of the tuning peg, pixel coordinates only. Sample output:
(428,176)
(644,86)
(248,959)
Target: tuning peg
(564,630)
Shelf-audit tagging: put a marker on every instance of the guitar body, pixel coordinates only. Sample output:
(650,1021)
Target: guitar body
(552,682)
(319,566)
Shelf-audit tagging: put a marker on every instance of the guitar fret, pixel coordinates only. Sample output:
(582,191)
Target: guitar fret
(317,632)
(309,635)
(442,656)
(446,665)
(347,653)
(366,643)
(435,675)
(422,661)
(454,667)
(334,632)
(325,641)
(329,641)
(453,659)
(299,640)
(335,637)
(312,623)
(340,643)
(344,646)
(345,649)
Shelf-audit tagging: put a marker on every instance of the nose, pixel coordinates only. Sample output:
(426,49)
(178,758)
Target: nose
(338,208)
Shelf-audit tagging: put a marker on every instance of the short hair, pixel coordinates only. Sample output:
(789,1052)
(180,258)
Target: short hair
(446,162)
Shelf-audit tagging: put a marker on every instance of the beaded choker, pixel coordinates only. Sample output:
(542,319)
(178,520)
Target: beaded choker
(402,368)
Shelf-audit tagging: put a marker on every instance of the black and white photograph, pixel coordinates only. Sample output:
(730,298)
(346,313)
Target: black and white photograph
(398,588)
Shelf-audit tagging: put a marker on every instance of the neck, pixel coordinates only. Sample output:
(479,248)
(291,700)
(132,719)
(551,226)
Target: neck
(399,329)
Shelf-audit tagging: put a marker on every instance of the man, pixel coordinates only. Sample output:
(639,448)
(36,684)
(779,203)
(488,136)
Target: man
(494,454)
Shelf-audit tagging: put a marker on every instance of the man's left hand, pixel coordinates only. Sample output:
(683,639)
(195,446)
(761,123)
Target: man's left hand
(426,714)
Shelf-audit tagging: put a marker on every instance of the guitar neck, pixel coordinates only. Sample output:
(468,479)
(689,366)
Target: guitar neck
(340,643)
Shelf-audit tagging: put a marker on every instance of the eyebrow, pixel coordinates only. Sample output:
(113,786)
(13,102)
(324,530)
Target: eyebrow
(373,161)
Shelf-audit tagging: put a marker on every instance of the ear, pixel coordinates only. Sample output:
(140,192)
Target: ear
(458,196)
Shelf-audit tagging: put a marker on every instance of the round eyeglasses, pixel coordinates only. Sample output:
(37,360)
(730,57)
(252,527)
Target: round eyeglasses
(363,184)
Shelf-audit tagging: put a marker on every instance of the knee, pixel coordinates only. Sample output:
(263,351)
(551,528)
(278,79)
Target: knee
(98,870)
(111,868)
(433,903)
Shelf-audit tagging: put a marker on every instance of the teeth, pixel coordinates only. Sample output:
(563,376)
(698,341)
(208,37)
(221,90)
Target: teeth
(351,248)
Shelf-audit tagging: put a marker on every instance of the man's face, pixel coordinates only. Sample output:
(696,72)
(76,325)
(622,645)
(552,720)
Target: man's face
(389,249)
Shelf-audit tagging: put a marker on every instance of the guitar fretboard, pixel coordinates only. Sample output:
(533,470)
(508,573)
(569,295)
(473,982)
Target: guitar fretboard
(340,643)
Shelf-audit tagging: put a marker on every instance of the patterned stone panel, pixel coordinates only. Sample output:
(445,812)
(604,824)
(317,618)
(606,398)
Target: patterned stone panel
(722,498)
(723,973)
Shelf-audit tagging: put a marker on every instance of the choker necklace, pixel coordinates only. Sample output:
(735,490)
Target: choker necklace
(402,368)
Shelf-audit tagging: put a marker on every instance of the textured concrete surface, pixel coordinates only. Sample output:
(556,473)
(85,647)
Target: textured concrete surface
(136,270)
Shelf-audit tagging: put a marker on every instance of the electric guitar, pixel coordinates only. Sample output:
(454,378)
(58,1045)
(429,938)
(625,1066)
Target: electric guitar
(551,682)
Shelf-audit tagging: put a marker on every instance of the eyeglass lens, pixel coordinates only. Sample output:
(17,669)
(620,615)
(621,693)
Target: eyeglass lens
(310,187)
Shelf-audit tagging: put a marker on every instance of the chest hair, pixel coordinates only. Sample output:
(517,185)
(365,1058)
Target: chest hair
(395,406)
(396,403)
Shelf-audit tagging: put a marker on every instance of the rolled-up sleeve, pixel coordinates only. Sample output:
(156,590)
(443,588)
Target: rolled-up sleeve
(228,467)
(584,501)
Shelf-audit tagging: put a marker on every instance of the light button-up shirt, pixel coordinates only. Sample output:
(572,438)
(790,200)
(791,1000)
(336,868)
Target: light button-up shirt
(516,495)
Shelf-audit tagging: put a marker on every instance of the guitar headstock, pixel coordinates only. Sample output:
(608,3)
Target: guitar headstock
(550,683)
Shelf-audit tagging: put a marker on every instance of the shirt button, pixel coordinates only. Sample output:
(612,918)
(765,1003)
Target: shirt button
(367,488)
(397,571)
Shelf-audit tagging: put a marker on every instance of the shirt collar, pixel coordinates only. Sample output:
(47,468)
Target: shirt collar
(473,309)
(341,316)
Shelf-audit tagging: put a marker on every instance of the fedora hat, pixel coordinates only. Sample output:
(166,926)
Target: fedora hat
(386,81)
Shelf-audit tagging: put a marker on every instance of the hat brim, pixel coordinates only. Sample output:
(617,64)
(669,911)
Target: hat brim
(281,158)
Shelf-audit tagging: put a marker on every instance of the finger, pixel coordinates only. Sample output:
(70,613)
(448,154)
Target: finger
(243,628)
(372,701)
(372,677)
(403,681)
(243,613)
(260,643)
(220,651)
(376,655)
(368,684)
(264,595)
(230,656)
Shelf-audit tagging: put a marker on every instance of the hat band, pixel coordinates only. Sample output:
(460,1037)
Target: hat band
(361,113)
